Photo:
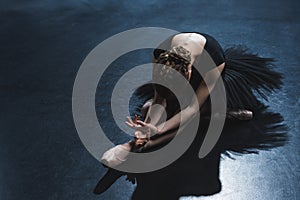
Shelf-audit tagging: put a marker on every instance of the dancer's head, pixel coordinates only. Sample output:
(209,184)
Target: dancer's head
(178,59)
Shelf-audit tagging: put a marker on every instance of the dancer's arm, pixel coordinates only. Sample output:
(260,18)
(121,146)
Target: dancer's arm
(202,93)
(152,118)
(154,112)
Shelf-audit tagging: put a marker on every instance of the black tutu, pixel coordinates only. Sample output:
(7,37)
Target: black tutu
(247,74)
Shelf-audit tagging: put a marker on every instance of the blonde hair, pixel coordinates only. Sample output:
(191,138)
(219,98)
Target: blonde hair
(179,59)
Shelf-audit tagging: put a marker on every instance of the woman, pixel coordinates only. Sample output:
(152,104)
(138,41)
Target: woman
(242,74)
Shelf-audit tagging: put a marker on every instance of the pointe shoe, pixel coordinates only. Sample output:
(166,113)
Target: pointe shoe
(239,114)
(107,180)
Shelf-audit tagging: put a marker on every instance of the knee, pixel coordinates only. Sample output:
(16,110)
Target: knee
(145,107)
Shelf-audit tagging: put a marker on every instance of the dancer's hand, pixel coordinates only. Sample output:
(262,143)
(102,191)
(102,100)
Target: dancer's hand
(143,127)
(134,125)
(150,128)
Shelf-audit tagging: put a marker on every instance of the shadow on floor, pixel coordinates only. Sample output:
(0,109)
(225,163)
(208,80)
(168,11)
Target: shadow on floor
(190,175)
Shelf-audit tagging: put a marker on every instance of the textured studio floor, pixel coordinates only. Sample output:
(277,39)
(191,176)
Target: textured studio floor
(43,44)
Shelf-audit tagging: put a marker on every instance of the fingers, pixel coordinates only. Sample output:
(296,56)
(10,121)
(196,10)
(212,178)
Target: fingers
(129,120)
(146,125)
(129,124)
(135,127)
(136,117)
(141,123)
(138,126)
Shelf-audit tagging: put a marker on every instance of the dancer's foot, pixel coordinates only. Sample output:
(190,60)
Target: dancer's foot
(107,180)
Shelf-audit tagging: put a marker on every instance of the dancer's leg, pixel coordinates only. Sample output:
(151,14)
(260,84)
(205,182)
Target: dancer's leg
(115,156)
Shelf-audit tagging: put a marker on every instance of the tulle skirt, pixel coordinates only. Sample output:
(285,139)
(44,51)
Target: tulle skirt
(247,77)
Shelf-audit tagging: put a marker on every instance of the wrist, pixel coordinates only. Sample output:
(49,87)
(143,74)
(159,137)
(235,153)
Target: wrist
(158,130)
(153,131)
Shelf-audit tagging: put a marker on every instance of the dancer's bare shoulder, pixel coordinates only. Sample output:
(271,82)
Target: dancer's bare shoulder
(194,42)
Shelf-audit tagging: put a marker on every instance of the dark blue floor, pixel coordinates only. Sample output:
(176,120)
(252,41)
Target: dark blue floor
(43,43)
